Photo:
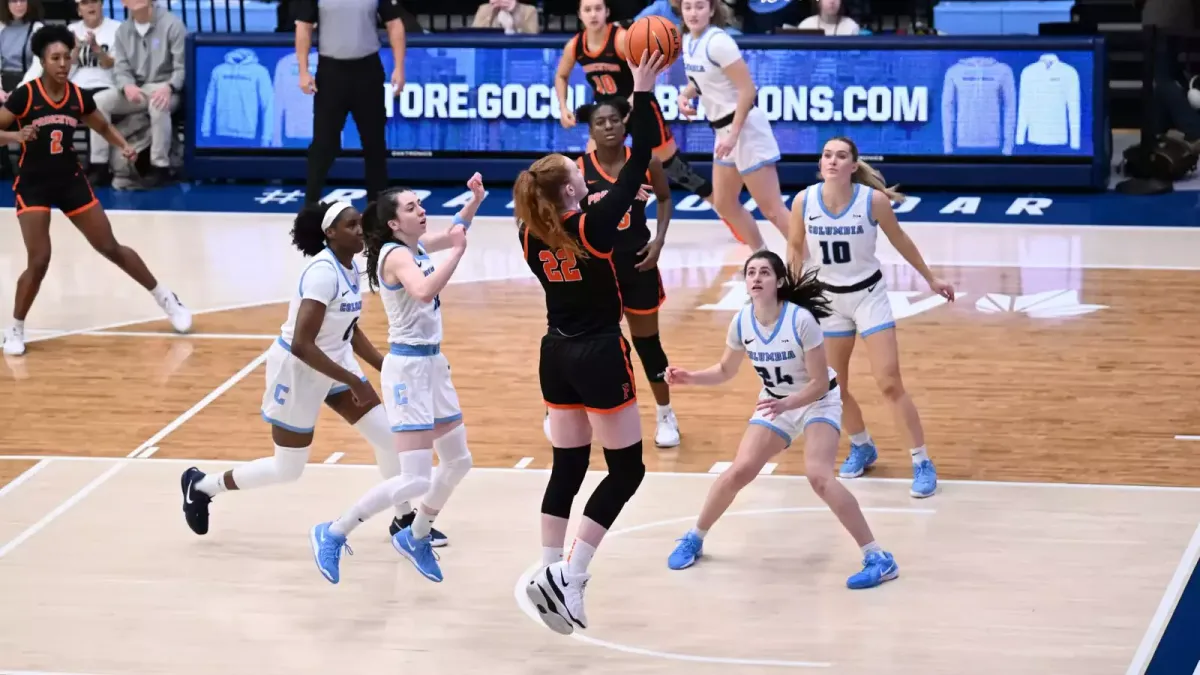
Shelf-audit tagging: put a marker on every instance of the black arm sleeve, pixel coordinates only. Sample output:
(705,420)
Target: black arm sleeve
(604,216)
(305,11)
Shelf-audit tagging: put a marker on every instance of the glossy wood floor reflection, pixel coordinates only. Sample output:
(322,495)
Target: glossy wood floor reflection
(994,580)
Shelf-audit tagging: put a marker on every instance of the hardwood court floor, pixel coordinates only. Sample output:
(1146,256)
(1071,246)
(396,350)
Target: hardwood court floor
(1070,356)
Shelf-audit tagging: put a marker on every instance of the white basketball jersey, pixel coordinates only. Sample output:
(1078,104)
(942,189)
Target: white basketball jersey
(703,58)
(777,354)
(327,281)
(410,321)
(843,243)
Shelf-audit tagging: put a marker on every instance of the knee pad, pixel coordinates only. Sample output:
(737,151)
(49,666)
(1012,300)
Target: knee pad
(289,463)
(682,174)
(417,464)
(454,458)
(625,474)
(652,356)
(566,476)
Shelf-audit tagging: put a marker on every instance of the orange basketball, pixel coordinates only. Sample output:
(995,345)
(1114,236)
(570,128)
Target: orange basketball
(653,34)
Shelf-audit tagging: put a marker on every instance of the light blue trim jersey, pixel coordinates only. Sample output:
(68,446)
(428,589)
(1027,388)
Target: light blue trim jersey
(410,321)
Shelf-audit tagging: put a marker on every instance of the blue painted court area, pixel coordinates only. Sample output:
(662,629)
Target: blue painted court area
(1179,209)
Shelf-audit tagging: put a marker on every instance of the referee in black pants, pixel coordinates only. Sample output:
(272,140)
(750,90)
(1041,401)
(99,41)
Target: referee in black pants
(349,80)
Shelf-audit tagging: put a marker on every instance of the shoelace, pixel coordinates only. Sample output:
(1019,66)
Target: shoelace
(690,545)
(924,470)
(330,546)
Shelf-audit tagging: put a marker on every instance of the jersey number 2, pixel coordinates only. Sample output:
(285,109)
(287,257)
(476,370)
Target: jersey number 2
(840,251)
(780,377)
(56,142)
(559,265)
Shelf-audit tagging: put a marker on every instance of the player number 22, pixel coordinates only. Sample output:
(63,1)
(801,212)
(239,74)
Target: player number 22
(835,252)
(56,142)
(559,265)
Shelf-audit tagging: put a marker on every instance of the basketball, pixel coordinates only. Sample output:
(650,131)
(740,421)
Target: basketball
(653,34)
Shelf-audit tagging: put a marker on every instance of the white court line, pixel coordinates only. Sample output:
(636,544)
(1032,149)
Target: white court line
(675,474)
(168,334)
(36,672)
(25,475)
(523,462)
(1187,438)
(143,451)
(334,458)
(1166,607)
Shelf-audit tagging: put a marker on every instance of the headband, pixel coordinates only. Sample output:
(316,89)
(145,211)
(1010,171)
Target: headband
(334,211)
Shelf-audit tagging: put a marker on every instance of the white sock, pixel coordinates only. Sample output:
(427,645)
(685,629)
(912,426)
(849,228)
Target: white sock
(18,325)
(377,499)
(581,557)
(698,532)
(860,438)
(919,455)
(403,508)
(551,555)
(871,548)
(212,484)
(160,292)
(422,524)
(664,409)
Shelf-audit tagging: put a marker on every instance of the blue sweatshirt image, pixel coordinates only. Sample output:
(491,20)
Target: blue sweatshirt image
(240,100)
(979,106)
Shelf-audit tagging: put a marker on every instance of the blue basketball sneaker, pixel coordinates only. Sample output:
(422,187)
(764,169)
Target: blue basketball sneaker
(924,479)
(861,458)
(419,551)
(327,551)
(689,550)
(878,567)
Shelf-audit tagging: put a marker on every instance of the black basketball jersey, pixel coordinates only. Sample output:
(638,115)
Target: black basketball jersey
(632,233)
(581,292)
(606,69)
(52,153)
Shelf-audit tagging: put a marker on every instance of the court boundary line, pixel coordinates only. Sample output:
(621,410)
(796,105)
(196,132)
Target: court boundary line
(676,474)
(24,476)
(1166,606)
(140,453)
(174,335)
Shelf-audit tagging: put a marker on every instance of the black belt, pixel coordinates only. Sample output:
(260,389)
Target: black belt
(726,120)
(865,283)
(832,385)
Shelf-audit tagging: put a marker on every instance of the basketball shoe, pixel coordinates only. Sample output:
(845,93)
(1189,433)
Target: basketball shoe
(437,539)
(558,596)
(195,502)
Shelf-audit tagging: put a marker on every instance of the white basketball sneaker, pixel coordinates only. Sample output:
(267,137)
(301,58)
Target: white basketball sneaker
(558,596)
(14,341)
(666,435)
(179,316)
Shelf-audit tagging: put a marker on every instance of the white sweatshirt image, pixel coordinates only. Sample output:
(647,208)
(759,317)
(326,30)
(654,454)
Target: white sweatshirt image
(1048,112)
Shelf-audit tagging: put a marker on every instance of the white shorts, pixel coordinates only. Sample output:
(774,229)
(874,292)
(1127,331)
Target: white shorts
(791,423)
(756,146)
(294,393)
(862,312)
(417,392)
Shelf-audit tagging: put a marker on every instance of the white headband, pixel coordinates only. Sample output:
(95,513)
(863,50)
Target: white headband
(334,211)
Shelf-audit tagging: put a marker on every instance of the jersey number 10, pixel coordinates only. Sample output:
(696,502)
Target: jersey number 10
(840,251)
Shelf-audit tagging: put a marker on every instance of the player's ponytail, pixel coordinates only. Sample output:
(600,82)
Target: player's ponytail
(803,290)
(376,231)
(870,176)
(307,235)
(536,202)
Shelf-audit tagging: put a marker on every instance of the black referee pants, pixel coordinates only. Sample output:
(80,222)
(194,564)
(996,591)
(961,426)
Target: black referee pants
(353,86)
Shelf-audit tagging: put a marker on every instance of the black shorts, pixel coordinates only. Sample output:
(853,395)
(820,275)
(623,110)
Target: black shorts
(71,195)
(662,133)
(592,372)
(641,291)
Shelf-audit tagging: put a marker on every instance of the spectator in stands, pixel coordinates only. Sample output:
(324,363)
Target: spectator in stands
(19,20)
(93,71)
(1173,16)
(512,16)
(148,72)
(829,18)
(349,80)
(669,9)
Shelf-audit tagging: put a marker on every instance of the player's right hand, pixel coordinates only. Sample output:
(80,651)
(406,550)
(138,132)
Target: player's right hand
(685,106)
(647,69)
(675,375)
(364,395)
(308,84)
(568,119)
(28,133)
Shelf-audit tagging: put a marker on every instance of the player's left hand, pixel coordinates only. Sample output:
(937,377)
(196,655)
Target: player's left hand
(644,193)
(942,288)
(129,152)
(475,185)
(28,133)
(397,81)
(771,407)
(161,98)
(650,251)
